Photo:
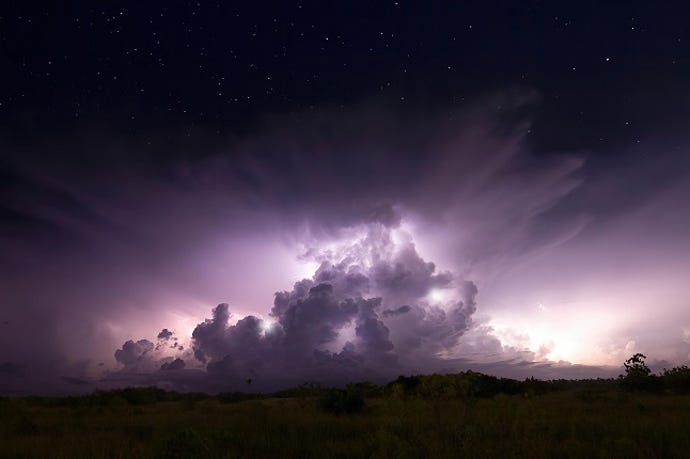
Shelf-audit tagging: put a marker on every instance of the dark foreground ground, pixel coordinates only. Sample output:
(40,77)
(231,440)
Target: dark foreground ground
(572,423)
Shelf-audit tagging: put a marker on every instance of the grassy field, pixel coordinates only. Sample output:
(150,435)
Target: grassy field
(563,424)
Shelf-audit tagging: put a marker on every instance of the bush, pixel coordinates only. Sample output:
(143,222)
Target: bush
(186,444)
(234,397)
(342,401)
(677,379)
(25,426)
(404,386)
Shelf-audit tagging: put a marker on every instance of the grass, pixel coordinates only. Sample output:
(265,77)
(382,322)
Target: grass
(561,424)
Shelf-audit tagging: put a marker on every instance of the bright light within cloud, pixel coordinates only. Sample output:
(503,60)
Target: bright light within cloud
(436,295)
(266,326)
(577,334)
(183,325)
(304,269)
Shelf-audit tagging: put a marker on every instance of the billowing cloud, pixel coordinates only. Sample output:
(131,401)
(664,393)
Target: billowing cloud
(336,326)
(132,352)
(165,334)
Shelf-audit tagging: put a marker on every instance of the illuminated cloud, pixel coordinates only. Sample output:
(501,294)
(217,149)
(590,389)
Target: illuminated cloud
(364,314)
(412,243)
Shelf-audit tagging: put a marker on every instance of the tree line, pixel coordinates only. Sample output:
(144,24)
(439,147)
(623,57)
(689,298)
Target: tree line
(467,385)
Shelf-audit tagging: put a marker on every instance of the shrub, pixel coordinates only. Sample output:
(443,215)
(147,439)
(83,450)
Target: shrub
(25,426)
(677,379)
(405,386)
(234,397)
(342,401)
(186,444)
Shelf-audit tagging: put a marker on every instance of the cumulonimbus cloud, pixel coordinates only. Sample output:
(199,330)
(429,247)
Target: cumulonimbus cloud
(364,314)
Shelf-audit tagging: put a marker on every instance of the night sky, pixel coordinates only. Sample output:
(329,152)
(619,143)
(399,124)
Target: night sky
(197,193)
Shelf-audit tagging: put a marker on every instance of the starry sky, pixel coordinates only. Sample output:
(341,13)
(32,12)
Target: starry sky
(197,193)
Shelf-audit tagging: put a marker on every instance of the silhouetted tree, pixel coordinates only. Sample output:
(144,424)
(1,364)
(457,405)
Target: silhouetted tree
(635,366)
(637,375)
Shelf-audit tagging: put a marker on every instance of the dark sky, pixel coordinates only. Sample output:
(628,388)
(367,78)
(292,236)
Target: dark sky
(447,181)
(607,72)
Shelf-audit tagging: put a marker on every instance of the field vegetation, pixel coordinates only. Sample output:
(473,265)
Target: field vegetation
(430,416)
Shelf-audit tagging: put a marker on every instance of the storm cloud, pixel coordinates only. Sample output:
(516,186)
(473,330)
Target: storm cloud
(334,327)
(401,220)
